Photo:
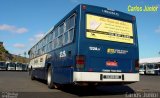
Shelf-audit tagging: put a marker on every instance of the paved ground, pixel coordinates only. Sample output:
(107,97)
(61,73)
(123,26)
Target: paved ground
(12,83)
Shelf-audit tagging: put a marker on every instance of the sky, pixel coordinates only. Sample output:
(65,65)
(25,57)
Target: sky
(24,22)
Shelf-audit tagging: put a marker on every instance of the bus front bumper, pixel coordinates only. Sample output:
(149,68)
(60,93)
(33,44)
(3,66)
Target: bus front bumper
(105,77)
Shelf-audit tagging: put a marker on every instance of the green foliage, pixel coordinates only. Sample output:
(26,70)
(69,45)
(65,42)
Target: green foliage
(3,50)
(5,56)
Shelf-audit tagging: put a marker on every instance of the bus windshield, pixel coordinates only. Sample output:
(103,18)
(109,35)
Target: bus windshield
(2,63)
(156,67)
(18,65)
(150,66)
(11,65)
(102,28)
(141,67)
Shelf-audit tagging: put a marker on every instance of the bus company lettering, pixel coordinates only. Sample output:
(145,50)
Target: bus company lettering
(62,54)
(111,63)
(110,12)
(106,70)
(94,48)
(116,51)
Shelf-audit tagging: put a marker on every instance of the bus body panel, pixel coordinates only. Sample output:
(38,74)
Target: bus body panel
(64,66)
(97,59)
(95,51)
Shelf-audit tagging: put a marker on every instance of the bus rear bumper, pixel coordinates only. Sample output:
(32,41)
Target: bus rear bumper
(105,77)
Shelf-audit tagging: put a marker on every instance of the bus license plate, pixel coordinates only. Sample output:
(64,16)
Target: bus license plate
(111,76)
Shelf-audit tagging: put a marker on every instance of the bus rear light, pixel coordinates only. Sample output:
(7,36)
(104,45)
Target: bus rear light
(133,18)
(130,71)
(84,7)
(80,61)
(90,70)
(137,65)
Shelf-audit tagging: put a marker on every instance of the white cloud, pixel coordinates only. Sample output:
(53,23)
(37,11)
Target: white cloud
(19,46)
(39,36)
(11,28)
(36,38)
(158,30)
(31,39)
(20,52)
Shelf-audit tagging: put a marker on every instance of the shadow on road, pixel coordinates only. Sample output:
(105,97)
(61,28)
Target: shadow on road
(98,91)
(42,81)
(94,91)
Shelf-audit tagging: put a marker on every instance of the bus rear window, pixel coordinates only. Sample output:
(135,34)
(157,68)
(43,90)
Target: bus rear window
(103,28)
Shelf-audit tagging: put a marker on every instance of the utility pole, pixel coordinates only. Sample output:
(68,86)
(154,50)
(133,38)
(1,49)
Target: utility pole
(25,54)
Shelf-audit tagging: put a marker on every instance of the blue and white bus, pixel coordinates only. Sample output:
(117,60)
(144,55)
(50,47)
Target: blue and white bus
(142,69)
(3,65)
(90,46)
(11,66)
(152,69)
(21,66)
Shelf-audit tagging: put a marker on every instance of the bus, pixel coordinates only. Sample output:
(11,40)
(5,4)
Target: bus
(24,66)
(18,66)
(3,65)
(152,69)
(142,69)
(21,66)
(11,66)
(91,45)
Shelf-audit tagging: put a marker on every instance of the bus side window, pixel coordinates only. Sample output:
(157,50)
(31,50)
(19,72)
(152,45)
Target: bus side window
(71,35)
(65,41)
(55,43)
(60,41)
(61,29)
(56,32)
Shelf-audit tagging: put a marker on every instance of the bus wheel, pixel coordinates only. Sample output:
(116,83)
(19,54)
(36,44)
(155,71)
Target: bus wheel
(50,79)
(158,73)
(31,73)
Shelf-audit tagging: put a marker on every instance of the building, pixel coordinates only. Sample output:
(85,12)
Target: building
(150,66)
(155,60)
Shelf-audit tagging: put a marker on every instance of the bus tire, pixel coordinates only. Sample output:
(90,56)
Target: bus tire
(31,73)
(50,78)
(158,73)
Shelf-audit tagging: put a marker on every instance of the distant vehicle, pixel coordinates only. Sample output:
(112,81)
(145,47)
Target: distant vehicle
(11,66)
(19,66)
(24,67)
(90,46)
(142,69)
(3,65)
(153,69)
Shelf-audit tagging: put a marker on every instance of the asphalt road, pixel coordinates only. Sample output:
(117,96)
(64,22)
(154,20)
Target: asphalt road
(19,85)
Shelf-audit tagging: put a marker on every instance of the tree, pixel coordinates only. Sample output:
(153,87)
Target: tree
(6,56)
